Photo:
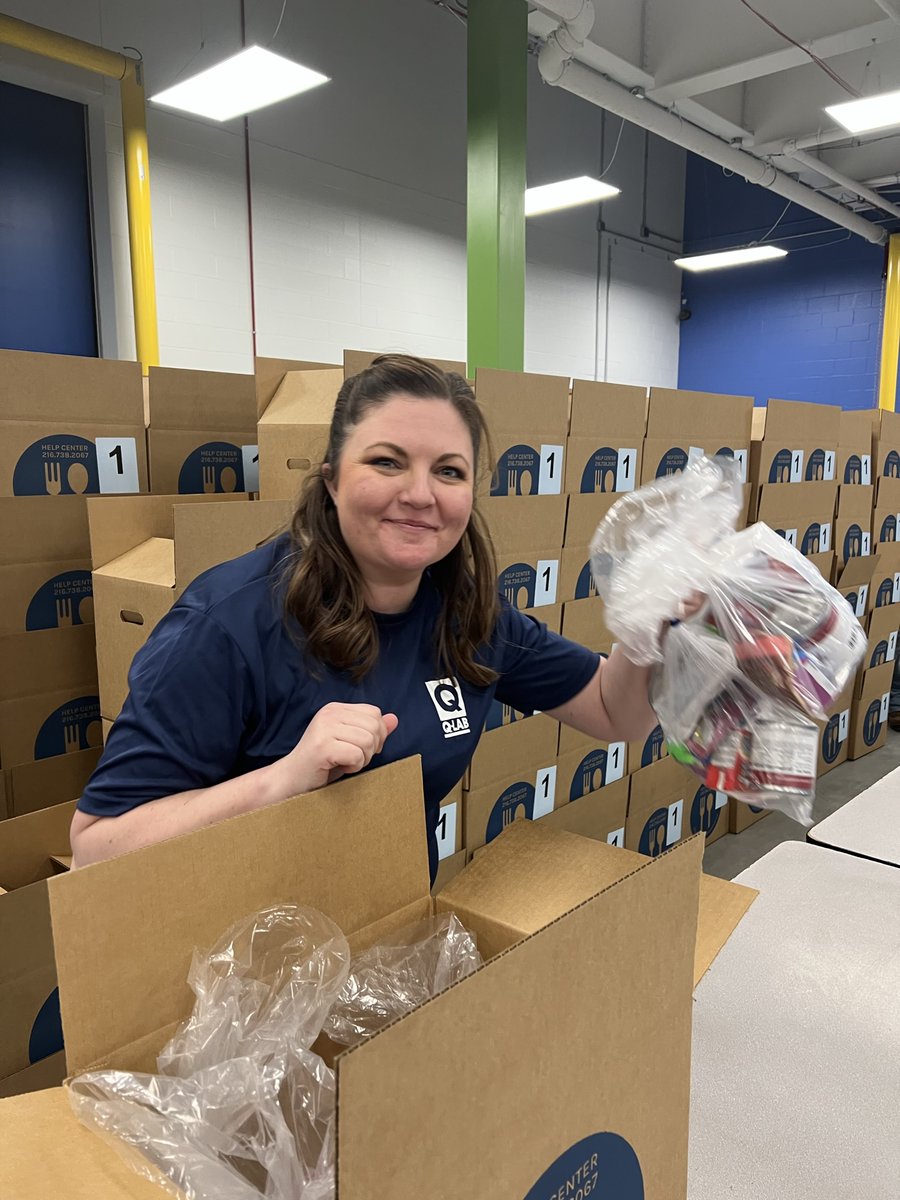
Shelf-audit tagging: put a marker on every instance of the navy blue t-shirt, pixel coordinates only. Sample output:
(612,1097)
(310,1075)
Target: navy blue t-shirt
(221,688)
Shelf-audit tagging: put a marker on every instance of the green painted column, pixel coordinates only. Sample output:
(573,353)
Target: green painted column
(497,102)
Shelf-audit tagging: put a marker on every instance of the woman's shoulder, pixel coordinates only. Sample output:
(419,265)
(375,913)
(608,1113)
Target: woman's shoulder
(243,587)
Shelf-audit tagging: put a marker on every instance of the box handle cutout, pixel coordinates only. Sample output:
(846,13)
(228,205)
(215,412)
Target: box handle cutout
(299,464)
(133,618)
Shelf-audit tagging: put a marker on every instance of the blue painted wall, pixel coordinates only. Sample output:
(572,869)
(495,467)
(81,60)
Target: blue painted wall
(805,327)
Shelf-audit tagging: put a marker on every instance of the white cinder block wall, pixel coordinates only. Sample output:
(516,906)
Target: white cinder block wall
(358,196)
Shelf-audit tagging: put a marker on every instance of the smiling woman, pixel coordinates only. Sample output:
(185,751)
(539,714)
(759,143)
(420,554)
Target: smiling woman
(371,631)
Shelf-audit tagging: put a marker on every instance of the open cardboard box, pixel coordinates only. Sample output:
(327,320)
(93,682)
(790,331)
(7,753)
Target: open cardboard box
(803,514)
(854,583)
(145,551)
(606,432)
(834,733)
(886,444)
(683,425)
(36,785)
(527,415)
(885,588)
(886,515)
(292,431)
(869,714)
(583,514)
(202,432)
(512,775)
(45,569)
(853,523)
(357,360)
(593,955)
(527,534)
(881,646)
(854,461)
(586,764)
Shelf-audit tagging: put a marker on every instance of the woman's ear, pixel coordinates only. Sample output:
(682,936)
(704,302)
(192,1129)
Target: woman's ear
(328,476)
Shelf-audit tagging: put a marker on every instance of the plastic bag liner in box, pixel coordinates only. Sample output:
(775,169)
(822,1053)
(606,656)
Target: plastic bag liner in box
(750,645)
(242,1107)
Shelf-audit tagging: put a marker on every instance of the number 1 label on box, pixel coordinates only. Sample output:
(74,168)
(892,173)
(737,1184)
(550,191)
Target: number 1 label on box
(544,791)
(865,544)
(550,471)
(117,468)
(250,457)
(865,470)
(673,826)
(824,539)
(790,536)
(615,762)
(885,706)
(862,597)
(797,466)
(616,838)
(446,830)
(828,468)
(740,457)
(626,472)
(843,725)
(892,647)
(896,592)
(721,799)
(546,583)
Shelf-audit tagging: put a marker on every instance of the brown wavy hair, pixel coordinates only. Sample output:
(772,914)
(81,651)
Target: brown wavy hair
(324,590)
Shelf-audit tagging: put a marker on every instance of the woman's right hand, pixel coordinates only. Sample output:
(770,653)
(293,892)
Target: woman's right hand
(341,739)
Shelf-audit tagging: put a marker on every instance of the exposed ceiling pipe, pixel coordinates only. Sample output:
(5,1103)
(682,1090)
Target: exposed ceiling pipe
(581,81)
(859,189)
(576,19)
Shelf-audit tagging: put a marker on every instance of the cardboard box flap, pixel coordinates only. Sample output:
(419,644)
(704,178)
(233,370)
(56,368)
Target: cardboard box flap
(304,398)
(856,428)
(585,513)
(722,907)
(152,562)
(26,844)
(525,522)
(778,501)
(46,1150)
(713,415)
(47,660)
(800,421)
(856,500)
(355,850)
(858,570)
(61,388)
(357,360)
(887,494)
(49,781)
(614,410)
(514,401)
(632,941)
(33,531)
(269,373)
(887,428)
(119,523)
(202,400)
(210,534)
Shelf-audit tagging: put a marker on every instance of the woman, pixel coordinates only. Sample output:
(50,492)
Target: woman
(372,631)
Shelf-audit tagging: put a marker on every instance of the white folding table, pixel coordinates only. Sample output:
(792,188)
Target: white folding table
(868,825)
(795,1089)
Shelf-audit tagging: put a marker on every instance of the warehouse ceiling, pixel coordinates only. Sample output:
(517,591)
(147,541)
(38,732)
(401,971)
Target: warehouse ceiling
(723,67)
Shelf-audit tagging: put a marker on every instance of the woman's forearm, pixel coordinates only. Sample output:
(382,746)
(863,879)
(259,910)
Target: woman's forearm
(623,692)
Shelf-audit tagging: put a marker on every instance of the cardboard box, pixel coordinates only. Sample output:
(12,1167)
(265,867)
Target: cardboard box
(869,715)
(662,457)
(834,733)
(809,462)
(269,373)
(656,807)
(886,515)
(854,582)
(107,726)
(46,1073)
(803,514)
(650,751)
(33,531)
(36,785)
(885,587)
(682,425)
(881,646)
(576,581)
(449,868)
(583,514)
(528,416)
(586,765)
(568,911)
(202,435)
(592,467)
(853,523)
(741,816)
(37,596)
(57,434)
(526,790)
(48,695)
(523,745)
(854,463)
(357,360)
(706,809)
(28,997)
(599,814)
(606,430)
(145,551)
(824,564)
(797,421)
(527,535)
(292,431)
(582,621)
(450,824)
(886,446)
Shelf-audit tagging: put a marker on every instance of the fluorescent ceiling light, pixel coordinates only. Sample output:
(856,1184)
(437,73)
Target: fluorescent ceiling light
(565,194)
(729,258)
(871,112)
(241,84)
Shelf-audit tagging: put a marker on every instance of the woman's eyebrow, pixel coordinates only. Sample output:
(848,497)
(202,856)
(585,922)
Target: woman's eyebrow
(395,449)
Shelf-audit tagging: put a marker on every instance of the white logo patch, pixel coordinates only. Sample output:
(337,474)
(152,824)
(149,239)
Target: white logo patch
(447,698)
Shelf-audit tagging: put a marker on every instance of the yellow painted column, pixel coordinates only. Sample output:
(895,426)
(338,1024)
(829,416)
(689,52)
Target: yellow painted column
(140,230)
(890,337)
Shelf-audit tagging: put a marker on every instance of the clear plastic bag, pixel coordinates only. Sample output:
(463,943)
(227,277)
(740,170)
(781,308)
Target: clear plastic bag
(767,648)
(242,1108)
(397,975)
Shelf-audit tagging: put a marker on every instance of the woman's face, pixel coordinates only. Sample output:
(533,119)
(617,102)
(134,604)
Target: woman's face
(403,489)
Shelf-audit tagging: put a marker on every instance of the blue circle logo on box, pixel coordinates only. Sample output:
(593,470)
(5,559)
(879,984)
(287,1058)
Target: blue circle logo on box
(704,814)
(725,452)
(603,1166)
(879,654)
(853,469)
(852,599)
(61,465)
(674,460)
(511,582)
(654,834)
(601,471)
(212,467)
(815,466)
(888,529)
(518,472)
(885,593)
(755,810)
(502,714)
(74,726)
(585,587)
(652,751)
(853,542)
(66,599)
(780,470)
(46,1033)
(812,539)
(872,723)
(516,804)
(590,774)
(831,743)
(892,465)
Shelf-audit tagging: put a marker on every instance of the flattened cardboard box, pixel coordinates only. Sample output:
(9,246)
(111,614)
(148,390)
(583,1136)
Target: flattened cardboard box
(500,714)
(56,436)
(656,807)
(28,997)
(584,513)
(36,785)
(528,416)
(202,435)
(803,514)
(292,431)
(37,596)
(854,582)
(570,944)
(599,814)
(869,715)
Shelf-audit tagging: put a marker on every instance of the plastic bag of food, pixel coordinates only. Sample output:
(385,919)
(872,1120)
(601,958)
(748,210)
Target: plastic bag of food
(400,973)
(751,645)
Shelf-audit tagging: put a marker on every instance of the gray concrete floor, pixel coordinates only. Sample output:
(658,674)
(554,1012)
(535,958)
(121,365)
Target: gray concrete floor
(732,853)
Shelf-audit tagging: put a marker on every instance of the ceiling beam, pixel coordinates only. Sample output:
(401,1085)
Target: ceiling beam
(783,59)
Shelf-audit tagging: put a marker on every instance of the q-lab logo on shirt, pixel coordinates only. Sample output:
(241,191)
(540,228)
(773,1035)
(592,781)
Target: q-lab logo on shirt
(447,698)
